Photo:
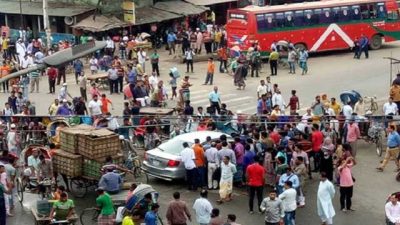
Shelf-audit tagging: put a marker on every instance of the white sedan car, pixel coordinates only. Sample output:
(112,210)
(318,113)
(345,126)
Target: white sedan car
(164,161)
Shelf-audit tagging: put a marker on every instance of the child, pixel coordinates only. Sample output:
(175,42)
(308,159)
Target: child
(57,194)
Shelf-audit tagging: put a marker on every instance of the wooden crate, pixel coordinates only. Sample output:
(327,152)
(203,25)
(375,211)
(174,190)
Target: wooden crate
(99,144)
(69,137)
(67,163)
(92,168)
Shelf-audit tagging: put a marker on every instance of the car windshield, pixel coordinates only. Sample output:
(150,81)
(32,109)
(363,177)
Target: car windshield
(173,146)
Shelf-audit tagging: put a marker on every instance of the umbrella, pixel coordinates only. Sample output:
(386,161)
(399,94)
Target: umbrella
(283,43)
(350,96)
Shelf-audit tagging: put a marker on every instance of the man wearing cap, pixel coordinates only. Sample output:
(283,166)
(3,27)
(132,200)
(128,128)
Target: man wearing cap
(64,109)
(106,206)
(63,94)
(12,140)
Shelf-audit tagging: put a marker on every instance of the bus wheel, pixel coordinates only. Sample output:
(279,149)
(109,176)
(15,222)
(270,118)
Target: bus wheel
(300,46)
(376,42)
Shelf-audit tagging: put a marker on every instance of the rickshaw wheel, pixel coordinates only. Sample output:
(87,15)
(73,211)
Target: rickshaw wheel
(140,176)
(379,145)
(78,187)
(20,190)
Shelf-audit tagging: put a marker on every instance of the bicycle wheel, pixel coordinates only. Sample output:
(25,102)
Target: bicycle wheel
(78,187)
(20,190)
(89,216)
(140,175)
(379,145)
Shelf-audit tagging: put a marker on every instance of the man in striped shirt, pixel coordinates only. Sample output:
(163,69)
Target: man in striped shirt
(34,77)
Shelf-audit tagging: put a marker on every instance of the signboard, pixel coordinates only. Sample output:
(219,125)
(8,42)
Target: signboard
(129,11)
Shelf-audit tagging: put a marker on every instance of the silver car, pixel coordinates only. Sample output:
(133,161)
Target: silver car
(164,162)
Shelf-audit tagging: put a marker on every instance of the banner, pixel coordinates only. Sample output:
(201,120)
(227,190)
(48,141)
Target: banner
(129,11)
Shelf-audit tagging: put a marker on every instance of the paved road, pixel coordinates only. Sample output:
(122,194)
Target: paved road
(330,74)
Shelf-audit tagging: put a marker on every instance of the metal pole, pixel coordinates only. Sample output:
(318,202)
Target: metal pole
(46,23)
(20,14)
(391,65)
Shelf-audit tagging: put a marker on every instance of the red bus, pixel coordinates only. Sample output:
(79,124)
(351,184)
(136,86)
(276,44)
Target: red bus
(316,26)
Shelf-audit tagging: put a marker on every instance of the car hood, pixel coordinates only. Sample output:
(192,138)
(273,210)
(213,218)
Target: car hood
(158,153)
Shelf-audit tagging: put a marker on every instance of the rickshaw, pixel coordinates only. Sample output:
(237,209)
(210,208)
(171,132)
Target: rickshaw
(23,181)
(121,204)
(53,130)
(371,128)
(283,50)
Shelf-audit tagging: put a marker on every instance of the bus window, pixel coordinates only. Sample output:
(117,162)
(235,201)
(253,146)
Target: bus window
(270,21)
(393,15)
(356,15)
(344,14)
(299,18)
(289,21)
(367,11)
(326,16)
(315,17)
(280,20)
(308,17)
(261,22)
(335,12)
(381,12)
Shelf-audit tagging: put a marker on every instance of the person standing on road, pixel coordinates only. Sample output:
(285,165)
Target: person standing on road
(273,208)
(82,79)
(177,211)
(34,79)
(200,162)
(294,103)
(210,71)
(317,139)
(325,194)
(113,79)
(78,67)
(364,45)
(142,57)
(353,134)
(188,159)
(4,189)
(104,203)
(303,57)
(393,148)
(273,62)
(346,183)
(223,59)
(278,100)
(215,100)
(154,59)
(212,165)
(255,174)
(292,55)
(171,39)
(392,210)
(189,53)
(95,107)
(289,202)
(203,209)
(228,169)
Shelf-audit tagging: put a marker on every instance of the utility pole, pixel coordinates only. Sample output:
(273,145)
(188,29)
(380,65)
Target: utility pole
(46,23)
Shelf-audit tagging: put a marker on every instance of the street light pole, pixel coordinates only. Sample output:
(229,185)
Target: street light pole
(46,23)
(20,14)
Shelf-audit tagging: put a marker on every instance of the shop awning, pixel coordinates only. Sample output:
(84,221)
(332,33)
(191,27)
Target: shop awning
(150,14)
(36,8)
(208,2)
(99,23)
(180,7)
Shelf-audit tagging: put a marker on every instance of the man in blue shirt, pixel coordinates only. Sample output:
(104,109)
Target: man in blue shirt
(64,109)
(171,38)
(363,46)
(111,182)
(215,100)
(151,216)
(78,67)
(392,150)
(289,176)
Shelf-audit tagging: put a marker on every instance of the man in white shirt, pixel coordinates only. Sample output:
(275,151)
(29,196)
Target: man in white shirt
(110,47)
(153,80)
(277,99)
(347,111)
(142,57)
(95,106)
(203,208)
(212,165)
(390,107)
(289,202)
(392,210)
(187,158)
(261,89)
